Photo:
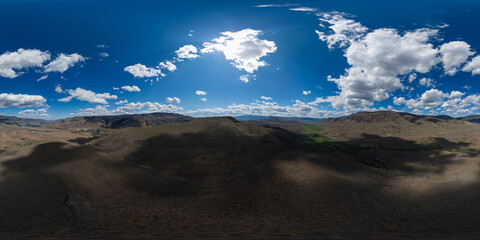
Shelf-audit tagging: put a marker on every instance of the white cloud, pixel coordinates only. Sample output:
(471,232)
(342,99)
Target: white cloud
(121,102)
(168,65)
(456,94)
(131,88)
(203,99)
(299,108)
(453,54)
(342,30)
(201,93)
(87,95)
(473,66)
(142,71)
(116,88)
(63,62)
(244,78)
(427,82)
(12,62)
(129,108)
(376,60)
(42,78)
(58,88)
(266,98)
(306,92)
(102,46)
(244,48)
(103,54)
(274,5)
(31,113)
(304,9)
(172,100)
(21,100)
(187,51)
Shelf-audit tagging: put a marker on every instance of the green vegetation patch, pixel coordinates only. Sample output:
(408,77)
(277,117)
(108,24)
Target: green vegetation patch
(313,127)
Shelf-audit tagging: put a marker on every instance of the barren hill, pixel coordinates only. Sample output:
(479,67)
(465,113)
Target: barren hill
(218,177)
(405,125)
(117,121)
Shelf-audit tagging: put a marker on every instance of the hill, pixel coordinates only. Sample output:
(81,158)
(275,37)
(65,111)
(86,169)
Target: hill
(256,117)
(21,122)
(221,178)
(95,123)
(405,125)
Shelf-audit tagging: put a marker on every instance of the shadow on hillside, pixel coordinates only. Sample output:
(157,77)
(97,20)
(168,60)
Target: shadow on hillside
(231,182)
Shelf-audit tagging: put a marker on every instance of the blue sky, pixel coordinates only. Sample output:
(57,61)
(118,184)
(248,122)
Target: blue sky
(60,59)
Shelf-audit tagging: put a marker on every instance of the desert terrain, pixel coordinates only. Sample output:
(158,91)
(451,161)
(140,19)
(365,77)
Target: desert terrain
(370,175)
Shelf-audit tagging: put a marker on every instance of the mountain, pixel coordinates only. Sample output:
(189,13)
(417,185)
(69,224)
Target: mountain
(21,122)
(471,118)
(256,117)
(96,123)
(390,123)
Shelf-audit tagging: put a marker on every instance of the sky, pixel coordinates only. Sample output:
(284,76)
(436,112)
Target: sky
(324,58)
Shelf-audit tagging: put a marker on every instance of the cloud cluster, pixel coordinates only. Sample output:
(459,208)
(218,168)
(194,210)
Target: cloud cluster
(266,98)
(131,88)
(379,60)
(201,93)
(244,48)
(173,100)
(21,100)
(298,109)
(141,71)
(31,113)
(129,108)
(187,51)
(453,54)
(12,62)
(63,62)
(87,95)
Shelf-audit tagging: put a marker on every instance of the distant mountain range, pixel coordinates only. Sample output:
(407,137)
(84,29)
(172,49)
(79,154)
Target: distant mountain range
(157,119)
(256,117)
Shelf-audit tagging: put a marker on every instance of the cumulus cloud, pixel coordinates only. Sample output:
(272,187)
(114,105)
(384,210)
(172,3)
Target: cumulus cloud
(103,54)
(88,96)
(31,113)
(263,108)
(168,65)
(342,30)
(244,78)
(427,82)
(21,100)
(203,99)
(142,71)
(473,66)
(131,88)
(63,62)
(244,48)
(129,108)
(121,102)
(172,100)
(377,59)
(200,93)
(434,98)
(266,98)
(306,92)
(58,88)
(453,54)
(187,51)
(12,62)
